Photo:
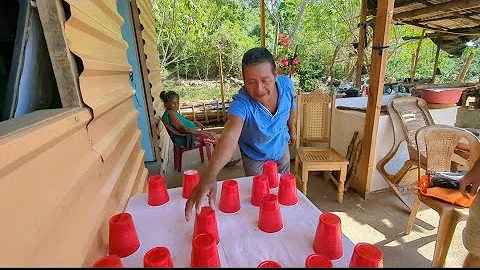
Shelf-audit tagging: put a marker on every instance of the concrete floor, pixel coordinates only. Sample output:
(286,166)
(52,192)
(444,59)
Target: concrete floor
(380,220)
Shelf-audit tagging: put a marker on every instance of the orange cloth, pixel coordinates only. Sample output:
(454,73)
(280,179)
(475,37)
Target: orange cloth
(453,196)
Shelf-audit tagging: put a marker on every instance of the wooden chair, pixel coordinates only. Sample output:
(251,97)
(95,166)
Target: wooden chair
(313,124)
(179,149)
(407,114)
(440,142)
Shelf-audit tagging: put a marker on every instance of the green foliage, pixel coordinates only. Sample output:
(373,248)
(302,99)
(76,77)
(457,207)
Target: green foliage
(201,92)
(190,34)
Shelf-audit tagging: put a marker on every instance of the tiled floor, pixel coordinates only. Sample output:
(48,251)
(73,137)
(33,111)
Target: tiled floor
(380,220)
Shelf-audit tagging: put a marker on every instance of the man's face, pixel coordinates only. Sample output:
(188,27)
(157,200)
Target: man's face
(259,81)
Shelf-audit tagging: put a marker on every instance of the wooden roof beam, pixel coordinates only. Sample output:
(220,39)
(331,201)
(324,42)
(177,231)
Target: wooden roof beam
(468,17)
(446,6)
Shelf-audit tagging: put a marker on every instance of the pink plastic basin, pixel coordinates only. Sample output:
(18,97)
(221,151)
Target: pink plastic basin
(442,95)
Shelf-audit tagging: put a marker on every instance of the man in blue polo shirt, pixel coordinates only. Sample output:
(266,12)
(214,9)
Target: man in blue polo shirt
(260,120)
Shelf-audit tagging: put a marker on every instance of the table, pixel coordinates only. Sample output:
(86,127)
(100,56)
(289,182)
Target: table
(242,243)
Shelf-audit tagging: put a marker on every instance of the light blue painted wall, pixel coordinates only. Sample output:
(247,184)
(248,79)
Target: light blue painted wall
(123,8)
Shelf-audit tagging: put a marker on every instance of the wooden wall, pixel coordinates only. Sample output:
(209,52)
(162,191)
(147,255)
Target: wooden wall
(62,178)
(154,75)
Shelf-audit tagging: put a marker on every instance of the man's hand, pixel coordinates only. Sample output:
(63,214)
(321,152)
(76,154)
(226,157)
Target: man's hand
(293,136)
(209,135)
(470,182)
(199,125)
(221,155)
(206,187)
(468,186)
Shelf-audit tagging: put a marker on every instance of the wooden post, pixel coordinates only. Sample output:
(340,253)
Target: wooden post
(415,61)
(462,75)
(65,69)
(142,63)
(205,114)
(193,111)
(381,41)
(435,65)
(361,45)
(262,22)
(221,83)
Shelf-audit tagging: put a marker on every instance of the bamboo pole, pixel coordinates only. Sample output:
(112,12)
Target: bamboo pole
(381,41)
(462,75)
(415,61)
(361,45)
(221,84)
(435,65)
(262,22)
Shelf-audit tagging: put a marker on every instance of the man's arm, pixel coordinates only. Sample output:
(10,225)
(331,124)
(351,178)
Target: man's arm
(291,127)
(177,123)
(221,155)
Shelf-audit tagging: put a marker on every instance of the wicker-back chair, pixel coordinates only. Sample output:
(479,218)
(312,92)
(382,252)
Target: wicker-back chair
(313,125)
(440,142)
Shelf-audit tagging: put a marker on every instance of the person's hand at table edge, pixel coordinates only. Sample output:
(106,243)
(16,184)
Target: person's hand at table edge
(221,155)
(206,187)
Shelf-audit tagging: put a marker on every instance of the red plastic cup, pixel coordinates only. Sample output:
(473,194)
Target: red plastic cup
(270,169)
(230,197)
(318,261)
(366,255)
(158,257)
(260,188)
(269,264)
(206,222)
(157,190)
(122,236)
(328,236)
(287,191)
(109,261)
(204,251)
(270,217)
(190,181)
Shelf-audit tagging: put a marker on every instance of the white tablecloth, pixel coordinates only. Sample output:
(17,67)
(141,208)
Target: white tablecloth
(242,243)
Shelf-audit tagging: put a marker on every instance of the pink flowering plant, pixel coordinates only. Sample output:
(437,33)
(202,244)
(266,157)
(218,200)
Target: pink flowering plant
(288,62)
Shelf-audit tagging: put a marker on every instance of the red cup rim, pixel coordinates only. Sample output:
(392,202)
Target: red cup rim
(318,260)
(108,261)
(368,251)
(204,241)
(266,264)
(260,177)
(287,176)
(330,219)
(269,162)
(121,219)
(230,183)
(269,198)
(206,211)
(157,255)
(156,181)
(190,172)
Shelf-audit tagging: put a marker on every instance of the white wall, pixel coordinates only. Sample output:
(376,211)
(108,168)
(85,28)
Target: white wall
(345,123)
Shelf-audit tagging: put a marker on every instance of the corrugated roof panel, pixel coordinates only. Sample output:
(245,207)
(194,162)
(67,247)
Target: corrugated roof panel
(409,7)
(109,129)
(103,52)
(103,12)
(453,23)
(94,34)
(154,75)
